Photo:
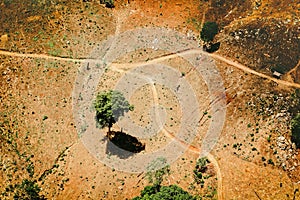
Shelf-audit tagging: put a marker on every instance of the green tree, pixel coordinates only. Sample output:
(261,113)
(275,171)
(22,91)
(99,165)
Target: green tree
(110,106)
(165,193)
(209,30)
(296,130)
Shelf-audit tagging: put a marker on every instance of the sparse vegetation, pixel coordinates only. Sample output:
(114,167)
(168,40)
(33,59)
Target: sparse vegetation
(155,175)
(36,120)
(156,190)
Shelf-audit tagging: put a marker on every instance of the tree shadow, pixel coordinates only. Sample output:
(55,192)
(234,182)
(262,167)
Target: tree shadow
(123,145)
(210,47)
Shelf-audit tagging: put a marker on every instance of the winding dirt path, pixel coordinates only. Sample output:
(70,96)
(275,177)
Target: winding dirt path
(215,56)
(155,60)
(126,66)
(43,56)
(192,148)
(247,69)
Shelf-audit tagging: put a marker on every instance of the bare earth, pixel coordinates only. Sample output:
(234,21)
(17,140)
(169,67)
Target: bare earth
(43,45)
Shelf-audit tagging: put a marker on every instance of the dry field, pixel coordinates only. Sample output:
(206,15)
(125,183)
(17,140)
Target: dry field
(44,44)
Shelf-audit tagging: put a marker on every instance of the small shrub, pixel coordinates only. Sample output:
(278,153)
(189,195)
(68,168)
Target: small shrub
(201,164)
(269,138)
(270,161)
(108,3)
(296,130)
(201,167)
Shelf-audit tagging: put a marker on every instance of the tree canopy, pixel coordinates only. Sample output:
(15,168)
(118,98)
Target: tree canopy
(164,193)
(209,30)
(110,106)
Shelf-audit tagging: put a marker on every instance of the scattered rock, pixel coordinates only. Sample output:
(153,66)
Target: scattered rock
(281,139)
(191,35)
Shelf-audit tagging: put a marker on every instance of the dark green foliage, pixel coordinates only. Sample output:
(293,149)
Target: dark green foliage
(199,169)
(270,161)
(28,190)
(110,106)
(201,164)
(108,3)
(149,190)
(30,169)
(209,30)
(172,192)
(7,2)
(296,130)
(279,68)
(297,92)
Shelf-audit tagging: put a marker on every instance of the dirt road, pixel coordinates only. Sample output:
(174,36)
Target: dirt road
(157,60)
(162,58)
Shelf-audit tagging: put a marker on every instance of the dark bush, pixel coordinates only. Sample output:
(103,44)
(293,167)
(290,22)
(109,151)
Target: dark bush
(108,3)
(28,190)
(296,130)
(209,30)
(201,167)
